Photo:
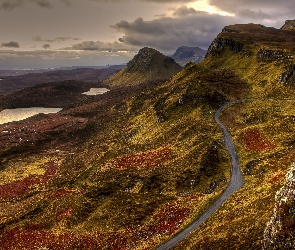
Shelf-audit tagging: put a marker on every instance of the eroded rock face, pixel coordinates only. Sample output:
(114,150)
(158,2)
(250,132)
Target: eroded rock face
(289,25)
(279,232)
(219,44)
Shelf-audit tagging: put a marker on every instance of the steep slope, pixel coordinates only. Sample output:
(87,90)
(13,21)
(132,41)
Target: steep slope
(262,128)
(148,65)
(289,25)
(139,163)
(185,54)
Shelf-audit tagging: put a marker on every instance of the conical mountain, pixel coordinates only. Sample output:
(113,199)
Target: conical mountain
(185,54)
(148,65)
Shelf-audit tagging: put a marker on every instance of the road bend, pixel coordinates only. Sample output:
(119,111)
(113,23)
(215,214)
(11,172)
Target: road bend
(236,182)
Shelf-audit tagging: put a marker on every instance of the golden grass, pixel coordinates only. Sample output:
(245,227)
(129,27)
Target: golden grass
(240,222)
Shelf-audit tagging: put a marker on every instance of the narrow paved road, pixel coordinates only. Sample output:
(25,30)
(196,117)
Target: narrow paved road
(236,182)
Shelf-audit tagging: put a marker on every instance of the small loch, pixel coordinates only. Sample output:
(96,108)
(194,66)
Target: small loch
(96,91)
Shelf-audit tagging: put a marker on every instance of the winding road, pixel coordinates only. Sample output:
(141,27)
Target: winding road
(236,182)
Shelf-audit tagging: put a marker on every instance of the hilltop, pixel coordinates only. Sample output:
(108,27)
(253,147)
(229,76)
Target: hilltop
(148,65)
(185,54)
(136,165)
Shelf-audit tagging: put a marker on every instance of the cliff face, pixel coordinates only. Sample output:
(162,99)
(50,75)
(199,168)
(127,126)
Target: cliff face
(279,232)
(289,25)
(219,44)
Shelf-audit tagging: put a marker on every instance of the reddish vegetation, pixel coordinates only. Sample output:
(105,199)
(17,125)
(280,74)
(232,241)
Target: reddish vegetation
(276,178)
(19,188)
(17,238)
(169,219)
(255,141)
(62,192)
(143,160)
(34,128)
(195,197)
(65,213)
(166,221)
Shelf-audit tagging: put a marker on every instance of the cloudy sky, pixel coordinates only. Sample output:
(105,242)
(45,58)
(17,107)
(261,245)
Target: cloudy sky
(55,33)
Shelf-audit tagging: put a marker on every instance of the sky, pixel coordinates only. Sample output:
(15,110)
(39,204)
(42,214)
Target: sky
(60,33)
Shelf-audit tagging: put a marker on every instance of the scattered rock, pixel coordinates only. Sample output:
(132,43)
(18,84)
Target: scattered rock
(288,77)
(272,55)
(279,232)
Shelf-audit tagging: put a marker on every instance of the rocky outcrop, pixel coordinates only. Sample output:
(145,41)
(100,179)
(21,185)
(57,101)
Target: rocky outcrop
(272,55)
(279,232)
(288,77)
(228,29)
(289,25)
(219,44)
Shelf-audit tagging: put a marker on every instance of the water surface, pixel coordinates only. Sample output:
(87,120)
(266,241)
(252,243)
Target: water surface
(18,114)
(96,91)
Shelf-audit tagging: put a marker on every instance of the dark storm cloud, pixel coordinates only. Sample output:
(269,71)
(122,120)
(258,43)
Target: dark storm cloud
(196,29)
(67,2)
(184,11)
(57,39)
(10,4)
(155,1)
(46,46)
(10,45)
(13,4)
(101,46)
(42,3)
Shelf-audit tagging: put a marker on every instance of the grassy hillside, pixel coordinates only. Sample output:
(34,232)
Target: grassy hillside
(146,159)
(262,130)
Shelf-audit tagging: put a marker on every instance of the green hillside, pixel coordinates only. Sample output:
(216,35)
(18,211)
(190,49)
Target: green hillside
(131,168)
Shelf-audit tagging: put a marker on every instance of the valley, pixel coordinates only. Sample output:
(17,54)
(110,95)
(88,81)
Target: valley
(135,166)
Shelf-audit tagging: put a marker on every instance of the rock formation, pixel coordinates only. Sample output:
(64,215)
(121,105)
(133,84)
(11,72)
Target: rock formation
(289,25)
(279,232)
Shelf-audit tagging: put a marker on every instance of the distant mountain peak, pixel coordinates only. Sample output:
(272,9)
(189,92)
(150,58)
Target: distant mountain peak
(289,25)
(186,54)
(148,65)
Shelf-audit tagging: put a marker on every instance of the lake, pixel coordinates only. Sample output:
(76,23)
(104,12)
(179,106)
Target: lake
(96,91)
(12,115)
